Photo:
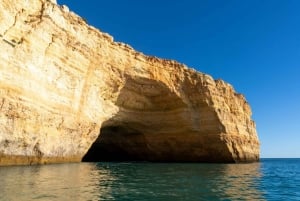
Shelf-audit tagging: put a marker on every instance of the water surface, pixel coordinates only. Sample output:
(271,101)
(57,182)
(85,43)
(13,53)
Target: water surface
(271,179)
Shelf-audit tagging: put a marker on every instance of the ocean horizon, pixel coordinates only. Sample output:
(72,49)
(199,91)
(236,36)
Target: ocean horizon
(269,179)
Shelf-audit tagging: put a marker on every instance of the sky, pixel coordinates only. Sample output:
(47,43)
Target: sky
(252,44)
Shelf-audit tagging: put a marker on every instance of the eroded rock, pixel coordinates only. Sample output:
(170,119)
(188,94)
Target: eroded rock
(62,82)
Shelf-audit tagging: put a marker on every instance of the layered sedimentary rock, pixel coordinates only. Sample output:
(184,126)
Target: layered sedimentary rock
(68,92)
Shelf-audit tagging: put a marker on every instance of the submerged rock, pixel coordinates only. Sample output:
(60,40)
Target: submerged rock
(70,93)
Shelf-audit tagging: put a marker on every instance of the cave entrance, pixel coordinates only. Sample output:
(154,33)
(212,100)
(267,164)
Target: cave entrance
(145,127)
(117,143)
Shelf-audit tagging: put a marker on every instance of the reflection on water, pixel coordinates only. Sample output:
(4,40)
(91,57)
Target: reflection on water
(131,181)
(54,182)
(241,182)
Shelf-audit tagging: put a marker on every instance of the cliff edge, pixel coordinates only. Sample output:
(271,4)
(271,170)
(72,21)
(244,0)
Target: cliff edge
(70,93)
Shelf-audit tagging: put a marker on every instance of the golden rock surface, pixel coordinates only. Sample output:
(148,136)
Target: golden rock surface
(69,92)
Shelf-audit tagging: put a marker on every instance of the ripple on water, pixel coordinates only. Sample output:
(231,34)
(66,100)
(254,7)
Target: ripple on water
(268,180)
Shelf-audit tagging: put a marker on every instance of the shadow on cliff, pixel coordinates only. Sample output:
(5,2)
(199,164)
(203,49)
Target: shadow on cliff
(123,137)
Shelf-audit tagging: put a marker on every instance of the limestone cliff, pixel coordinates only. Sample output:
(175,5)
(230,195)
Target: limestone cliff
(69,92)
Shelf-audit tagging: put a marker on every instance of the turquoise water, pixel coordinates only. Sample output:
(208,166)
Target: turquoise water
(271,179)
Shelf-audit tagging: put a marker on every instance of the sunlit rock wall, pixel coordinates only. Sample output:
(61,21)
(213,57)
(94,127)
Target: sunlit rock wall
(63,81)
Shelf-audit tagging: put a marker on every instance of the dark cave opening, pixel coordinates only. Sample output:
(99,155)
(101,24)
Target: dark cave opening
(117,143)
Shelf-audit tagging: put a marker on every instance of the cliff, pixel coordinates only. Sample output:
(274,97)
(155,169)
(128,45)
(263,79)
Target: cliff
(70,93)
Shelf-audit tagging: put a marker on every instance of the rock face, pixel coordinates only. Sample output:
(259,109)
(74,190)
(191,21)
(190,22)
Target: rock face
(68,93)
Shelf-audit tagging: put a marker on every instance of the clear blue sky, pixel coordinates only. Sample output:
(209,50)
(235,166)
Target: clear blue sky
(252,44)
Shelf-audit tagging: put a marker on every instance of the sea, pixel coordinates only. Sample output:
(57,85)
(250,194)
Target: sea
(269,179)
